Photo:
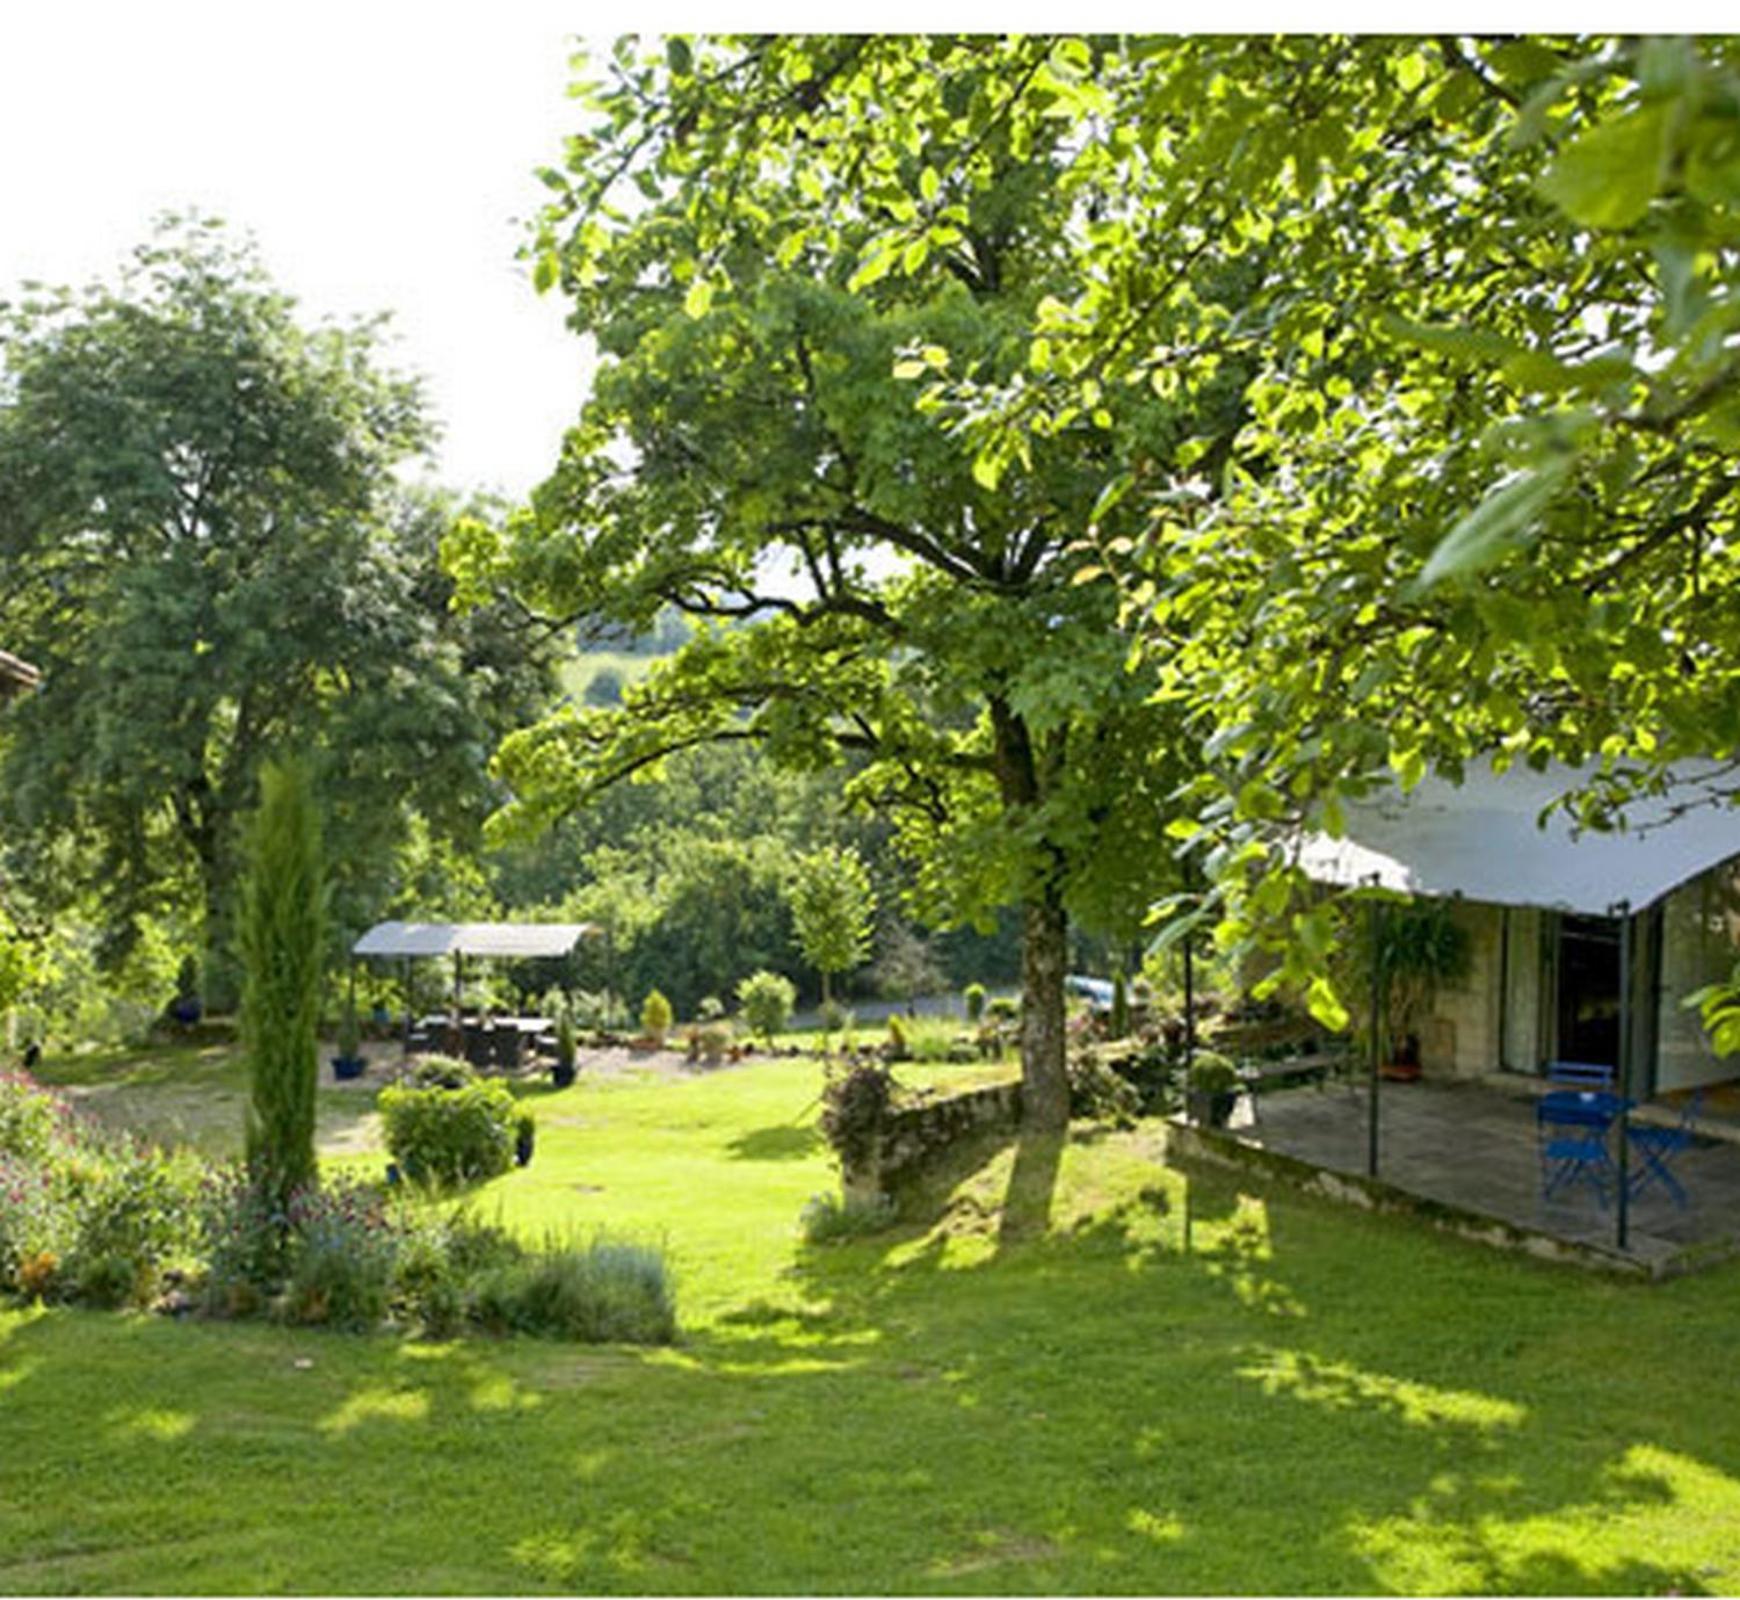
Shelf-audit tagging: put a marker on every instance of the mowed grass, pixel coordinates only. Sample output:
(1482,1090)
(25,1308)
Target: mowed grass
(1070,1369)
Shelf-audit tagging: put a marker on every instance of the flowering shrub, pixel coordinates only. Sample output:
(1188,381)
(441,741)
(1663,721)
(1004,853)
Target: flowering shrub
(137,1214)
(600,1291)
(31,1118)
(441,1257)
(34,1222)
(244,1236)
(342,1249)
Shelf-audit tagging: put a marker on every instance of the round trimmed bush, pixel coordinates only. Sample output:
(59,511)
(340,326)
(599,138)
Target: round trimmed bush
(450,1136)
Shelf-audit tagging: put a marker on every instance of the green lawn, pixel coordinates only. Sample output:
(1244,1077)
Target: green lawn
(1072,1370)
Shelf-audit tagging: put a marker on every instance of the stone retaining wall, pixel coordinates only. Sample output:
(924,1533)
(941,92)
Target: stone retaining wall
(913,1136)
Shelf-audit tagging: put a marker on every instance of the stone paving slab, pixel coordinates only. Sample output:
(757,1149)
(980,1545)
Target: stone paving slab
(1474,1146)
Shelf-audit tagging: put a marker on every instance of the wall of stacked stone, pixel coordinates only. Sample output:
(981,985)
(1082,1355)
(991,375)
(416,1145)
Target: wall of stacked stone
(910,1138)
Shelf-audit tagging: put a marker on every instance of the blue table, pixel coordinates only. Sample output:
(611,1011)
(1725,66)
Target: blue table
(1572,1127)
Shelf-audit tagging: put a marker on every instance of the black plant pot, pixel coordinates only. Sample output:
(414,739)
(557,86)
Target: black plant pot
(187,1010)
(344,1067)
(523,1141)
(562,1074)
(1211,1110)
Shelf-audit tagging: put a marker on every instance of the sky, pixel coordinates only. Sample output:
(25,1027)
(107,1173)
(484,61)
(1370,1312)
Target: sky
(379,153)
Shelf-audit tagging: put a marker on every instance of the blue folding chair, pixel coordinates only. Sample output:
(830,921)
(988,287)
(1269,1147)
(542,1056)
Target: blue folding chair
(1571,1127)
(1581,1074)
(1660,1148)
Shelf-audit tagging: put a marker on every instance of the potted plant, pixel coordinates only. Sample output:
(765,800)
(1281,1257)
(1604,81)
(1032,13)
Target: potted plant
(1421,948)
(525,1135)
(562,1073)
(187,1007)
(1213,1089)
(349,1062)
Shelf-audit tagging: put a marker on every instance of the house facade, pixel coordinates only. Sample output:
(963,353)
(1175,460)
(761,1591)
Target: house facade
(1545,909)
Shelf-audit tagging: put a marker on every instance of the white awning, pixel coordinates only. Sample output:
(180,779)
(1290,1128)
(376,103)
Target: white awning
(471,938)
(1483,840)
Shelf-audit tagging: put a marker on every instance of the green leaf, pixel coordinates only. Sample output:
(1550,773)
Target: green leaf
(699,298)
(1325,1005)
(1500,523)
(1607,178)
(1409,766)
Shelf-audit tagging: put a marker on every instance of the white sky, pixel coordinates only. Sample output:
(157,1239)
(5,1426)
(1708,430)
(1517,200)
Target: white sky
(380,151)
(379,154)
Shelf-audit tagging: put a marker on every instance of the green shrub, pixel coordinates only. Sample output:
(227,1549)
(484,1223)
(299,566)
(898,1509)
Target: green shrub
(712,1042)
(1100,1094)
(348,1042)
(282,938)
(439,1072)
(450,1136)
(1118,1024)
(603,1291)
(767,999)
(442,1255)
(137,1214)
(854,1106)
(1003,1009)
(35,1221)
(341,1255)
(899,1047)
(656,1016)
(829,1217)
(974,997)
(245,1244)
(30,1117)
(1213,1073)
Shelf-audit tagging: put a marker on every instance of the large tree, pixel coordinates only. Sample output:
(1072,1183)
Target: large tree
(1477,497)
(206,551)
(753,452)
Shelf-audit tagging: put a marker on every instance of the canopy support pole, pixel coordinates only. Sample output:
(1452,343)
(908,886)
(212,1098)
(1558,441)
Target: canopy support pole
(1622,1203)
(405,1042)
(1375,930)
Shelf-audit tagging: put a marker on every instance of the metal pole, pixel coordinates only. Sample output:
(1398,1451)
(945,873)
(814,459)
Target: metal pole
(406,1041)
(1375,927)
(1189,1007)
(1622,1210)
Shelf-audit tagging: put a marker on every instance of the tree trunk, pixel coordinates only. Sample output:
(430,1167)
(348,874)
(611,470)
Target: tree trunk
(1044,955)
(1044,932)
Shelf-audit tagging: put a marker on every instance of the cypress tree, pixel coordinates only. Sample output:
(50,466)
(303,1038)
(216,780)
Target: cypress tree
(282,940)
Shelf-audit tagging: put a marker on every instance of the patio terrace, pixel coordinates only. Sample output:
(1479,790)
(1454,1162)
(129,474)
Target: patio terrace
(1464,1155)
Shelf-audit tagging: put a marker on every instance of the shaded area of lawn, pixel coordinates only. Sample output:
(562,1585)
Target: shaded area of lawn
(197,1095)
(1071,1369)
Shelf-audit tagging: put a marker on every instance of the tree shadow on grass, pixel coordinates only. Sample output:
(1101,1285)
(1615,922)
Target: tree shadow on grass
(782,1142)
(1305,1400)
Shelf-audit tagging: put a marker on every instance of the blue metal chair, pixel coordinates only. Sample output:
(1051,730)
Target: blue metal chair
(1660,1148)
(1571,1127)
(1581,1074)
